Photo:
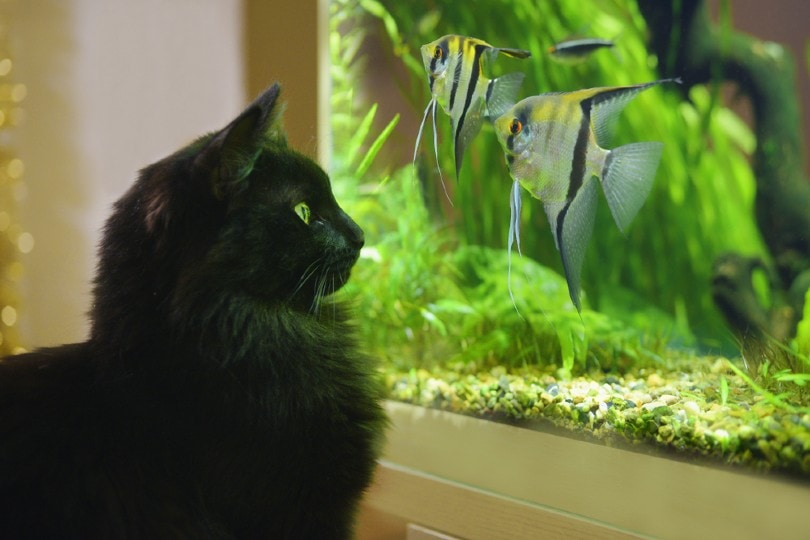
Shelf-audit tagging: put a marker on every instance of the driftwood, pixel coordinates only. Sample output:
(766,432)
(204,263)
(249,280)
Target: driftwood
(687,45)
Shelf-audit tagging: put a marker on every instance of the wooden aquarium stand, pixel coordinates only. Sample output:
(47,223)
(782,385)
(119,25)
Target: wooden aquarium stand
(444,475)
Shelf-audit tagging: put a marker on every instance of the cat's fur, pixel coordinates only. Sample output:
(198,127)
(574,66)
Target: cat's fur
(219,395)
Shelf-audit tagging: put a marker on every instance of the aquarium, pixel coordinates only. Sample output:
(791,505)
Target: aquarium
(678,329)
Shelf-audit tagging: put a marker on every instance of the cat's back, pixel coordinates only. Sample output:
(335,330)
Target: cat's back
(48,409)
(78,454)
(43,388)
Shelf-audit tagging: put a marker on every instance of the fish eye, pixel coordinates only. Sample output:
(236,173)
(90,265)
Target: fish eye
(302,211)
(515,127)
(437,53)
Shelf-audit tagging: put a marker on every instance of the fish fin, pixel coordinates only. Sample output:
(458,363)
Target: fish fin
(514,53)
(608,104)
(515,203)
(419,133)
(431,107)
(436,151)
(502,94)
(574,226)
(553,210)
(469,129)
(627,179)
(492,52)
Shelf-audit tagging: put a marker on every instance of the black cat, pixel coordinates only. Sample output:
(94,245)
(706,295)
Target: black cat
(216,397)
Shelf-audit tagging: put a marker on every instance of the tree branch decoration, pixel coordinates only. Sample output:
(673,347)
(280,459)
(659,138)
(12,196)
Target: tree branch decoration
(688,45)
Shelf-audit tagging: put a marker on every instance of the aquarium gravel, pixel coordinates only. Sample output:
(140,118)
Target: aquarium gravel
(709,413)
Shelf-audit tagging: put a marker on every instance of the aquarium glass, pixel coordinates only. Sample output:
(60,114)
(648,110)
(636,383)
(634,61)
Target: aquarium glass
(464,323)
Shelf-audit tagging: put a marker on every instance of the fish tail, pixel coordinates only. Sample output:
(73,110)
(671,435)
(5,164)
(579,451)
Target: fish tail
(502,94)
(627,178)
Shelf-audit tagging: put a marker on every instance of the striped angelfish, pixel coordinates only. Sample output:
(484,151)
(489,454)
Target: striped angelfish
(554,148)
(454,66)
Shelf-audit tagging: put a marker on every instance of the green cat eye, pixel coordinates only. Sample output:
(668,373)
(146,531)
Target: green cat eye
(302,209)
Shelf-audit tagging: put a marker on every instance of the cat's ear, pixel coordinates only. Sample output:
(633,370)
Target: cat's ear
(229,155)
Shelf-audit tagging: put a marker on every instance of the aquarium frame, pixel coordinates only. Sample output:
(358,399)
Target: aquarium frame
(474,478)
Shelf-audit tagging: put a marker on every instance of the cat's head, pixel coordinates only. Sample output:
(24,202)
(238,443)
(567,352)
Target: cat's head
(237,214)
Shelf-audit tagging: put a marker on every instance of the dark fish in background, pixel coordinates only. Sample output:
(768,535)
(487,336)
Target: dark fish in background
(573,51)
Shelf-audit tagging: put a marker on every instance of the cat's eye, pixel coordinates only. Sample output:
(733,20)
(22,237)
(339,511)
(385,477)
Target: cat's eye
(302,210)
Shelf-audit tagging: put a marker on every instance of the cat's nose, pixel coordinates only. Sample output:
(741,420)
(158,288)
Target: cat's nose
(355,233)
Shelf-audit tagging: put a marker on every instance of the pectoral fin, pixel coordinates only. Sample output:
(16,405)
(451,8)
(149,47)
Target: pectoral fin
(502,94)
(573,228)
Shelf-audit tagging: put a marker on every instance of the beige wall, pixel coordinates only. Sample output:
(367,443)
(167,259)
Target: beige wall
(113,85)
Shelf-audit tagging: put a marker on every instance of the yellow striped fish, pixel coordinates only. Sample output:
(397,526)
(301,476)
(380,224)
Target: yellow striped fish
(454,66)
(554,148)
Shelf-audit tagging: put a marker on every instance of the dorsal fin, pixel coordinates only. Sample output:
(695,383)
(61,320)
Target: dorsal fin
(608,104)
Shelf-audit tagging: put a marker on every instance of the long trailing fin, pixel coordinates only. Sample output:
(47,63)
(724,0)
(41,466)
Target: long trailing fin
(574,229)
(515,203)
(502,94)
(608,104)
(627,179)
(431,106)
(436,151)
(419,133)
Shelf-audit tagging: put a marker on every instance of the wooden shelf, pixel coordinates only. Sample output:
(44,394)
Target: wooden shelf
(473,478)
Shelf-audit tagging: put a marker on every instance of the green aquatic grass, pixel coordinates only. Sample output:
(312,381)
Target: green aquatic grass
(802,341)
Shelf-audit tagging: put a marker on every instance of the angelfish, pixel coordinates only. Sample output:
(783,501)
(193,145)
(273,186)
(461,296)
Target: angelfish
(554,147)
(454,66)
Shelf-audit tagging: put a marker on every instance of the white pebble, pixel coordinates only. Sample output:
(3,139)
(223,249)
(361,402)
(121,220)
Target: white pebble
(691,407)
(653,405)
(669,399)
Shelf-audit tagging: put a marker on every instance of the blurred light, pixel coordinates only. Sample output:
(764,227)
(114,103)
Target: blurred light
(15,168)
(18,93)
(8,316)
(25,242)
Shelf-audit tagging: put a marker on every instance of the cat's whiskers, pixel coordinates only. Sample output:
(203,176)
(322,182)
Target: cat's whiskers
(306,275)
(334,306)
(320,288)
